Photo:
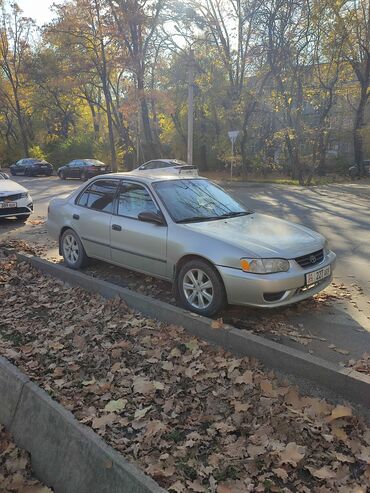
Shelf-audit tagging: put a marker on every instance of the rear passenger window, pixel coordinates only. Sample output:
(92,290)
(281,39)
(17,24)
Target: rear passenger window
(99,195)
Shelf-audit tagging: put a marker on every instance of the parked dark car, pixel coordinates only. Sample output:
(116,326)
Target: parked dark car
(83,169)
(31,167)
(354,171)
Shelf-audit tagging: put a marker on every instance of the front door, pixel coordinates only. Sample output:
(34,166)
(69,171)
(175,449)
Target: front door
(135,244)
(92,219)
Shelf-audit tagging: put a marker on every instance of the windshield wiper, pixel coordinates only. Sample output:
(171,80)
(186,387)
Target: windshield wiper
(197,219)
(235,214)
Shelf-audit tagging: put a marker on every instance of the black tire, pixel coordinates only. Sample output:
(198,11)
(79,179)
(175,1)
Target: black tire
(62,175)
(81,258)
(12,172)
(23,217)
(209,277)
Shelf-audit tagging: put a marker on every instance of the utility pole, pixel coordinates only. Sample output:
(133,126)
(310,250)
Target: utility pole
(191,107)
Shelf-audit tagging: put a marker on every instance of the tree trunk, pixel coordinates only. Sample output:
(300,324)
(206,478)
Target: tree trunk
(357,130)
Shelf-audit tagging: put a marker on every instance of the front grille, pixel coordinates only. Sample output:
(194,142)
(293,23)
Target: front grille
(9,211)
(11,198)
(310,259)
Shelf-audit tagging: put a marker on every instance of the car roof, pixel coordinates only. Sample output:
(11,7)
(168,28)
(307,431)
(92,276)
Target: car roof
(148,178)
(176,162)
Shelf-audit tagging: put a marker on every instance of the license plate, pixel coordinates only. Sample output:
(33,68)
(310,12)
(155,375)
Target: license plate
(317,275)
(6,205)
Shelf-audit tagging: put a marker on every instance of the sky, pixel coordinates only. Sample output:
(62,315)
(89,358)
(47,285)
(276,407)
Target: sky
(37,9)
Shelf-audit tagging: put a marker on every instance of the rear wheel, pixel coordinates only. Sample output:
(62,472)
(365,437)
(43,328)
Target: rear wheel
(72,250)
(200,288)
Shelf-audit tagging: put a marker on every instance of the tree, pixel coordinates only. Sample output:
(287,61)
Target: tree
(15,38)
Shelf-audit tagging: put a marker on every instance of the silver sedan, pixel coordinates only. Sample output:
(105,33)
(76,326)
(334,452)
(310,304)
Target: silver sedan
(191,232)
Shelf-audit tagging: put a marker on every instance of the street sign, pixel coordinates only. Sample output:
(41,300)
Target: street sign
(233,135)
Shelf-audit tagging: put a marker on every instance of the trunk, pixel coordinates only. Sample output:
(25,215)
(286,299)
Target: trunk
(21,126)
(145,116)
(110,131)
(357,130)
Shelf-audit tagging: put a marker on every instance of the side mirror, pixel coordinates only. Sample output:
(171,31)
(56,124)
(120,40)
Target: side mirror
(151,217)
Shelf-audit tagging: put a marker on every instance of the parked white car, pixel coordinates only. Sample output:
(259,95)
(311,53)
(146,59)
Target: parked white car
(15,200)
(168,167)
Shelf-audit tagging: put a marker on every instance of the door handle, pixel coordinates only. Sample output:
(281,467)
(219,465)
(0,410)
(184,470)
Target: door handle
(76,216)
(116,227)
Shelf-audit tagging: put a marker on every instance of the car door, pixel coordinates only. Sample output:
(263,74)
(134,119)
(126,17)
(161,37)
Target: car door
(73,171)
(136,244)
(92,217)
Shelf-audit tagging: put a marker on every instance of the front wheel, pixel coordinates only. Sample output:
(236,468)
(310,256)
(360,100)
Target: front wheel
(200,288)
(72,250)
(62,175)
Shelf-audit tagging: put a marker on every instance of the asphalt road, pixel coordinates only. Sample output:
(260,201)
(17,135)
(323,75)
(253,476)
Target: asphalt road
(339,212)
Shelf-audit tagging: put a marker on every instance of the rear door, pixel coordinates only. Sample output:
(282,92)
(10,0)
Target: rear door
(135,244)
(93,215)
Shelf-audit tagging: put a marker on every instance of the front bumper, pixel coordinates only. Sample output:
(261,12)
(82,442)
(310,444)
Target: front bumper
(273,290)
(23,207)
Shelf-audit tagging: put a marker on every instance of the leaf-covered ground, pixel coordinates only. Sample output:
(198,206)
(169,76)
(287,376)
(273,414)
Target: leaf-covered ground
(195,418)
(15,469)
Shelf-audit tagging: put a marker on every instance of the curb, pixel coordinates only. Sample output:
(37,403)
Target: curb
(344,382)
(57,442)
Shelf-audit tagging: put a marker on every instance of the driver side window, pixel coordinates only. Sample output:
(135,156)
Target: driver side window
(134,199)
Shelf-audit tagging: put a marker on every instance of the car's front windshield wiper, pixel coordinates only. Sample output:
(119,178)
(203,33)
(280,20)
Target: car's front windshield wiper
(235,214)
(197,219)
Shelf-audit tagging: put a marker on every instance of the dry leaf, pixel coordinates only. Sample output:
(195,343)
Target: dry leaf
(116,406)
(322,473)
(292,454)
(339,412)
(217,324)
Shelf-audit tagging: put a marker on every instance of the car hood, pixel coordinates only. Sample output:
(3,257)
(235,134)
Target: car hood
(7,186)
(262,236)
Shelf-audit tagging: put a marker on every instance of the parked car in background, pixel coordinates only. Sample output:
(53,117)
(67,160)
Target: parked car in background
(31,167)
(168,167)
(354,171)
(82,169)
(15,200)
(191,232)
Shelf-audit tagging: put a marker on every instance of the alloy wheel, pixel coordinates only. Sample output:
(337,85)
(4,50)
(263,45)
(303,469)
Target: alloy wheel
(198,288)
(71,249)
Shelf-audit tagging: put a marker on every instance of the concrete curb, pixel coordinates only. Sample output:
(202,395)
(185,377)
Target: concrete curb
(344,382)
(57,442)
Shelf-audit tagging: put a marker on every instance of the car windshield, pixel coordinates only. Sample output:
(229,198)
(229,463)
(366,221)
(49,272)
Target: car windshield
(93,162)
(197,200)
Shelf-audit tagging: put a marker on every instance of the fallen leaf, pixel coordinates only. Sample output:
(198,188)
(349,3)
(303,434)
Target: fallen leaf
(116,406)
(292,454)
(140,413)
(339,412)
(322,473)
(217,324)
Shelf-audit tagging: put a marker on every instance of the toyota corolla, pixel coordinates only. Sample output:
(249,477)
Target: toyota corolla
(191,232)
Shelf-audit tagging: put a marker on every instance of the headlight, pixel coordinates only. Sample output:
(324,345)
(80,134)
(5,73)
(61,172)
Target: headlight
(264,265)
(24,195)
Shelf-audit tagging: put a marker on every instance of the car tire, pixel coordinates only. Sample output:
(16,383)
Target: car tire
(12,172)
(62,175)
(23,217)
(200,288)
(72,250)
